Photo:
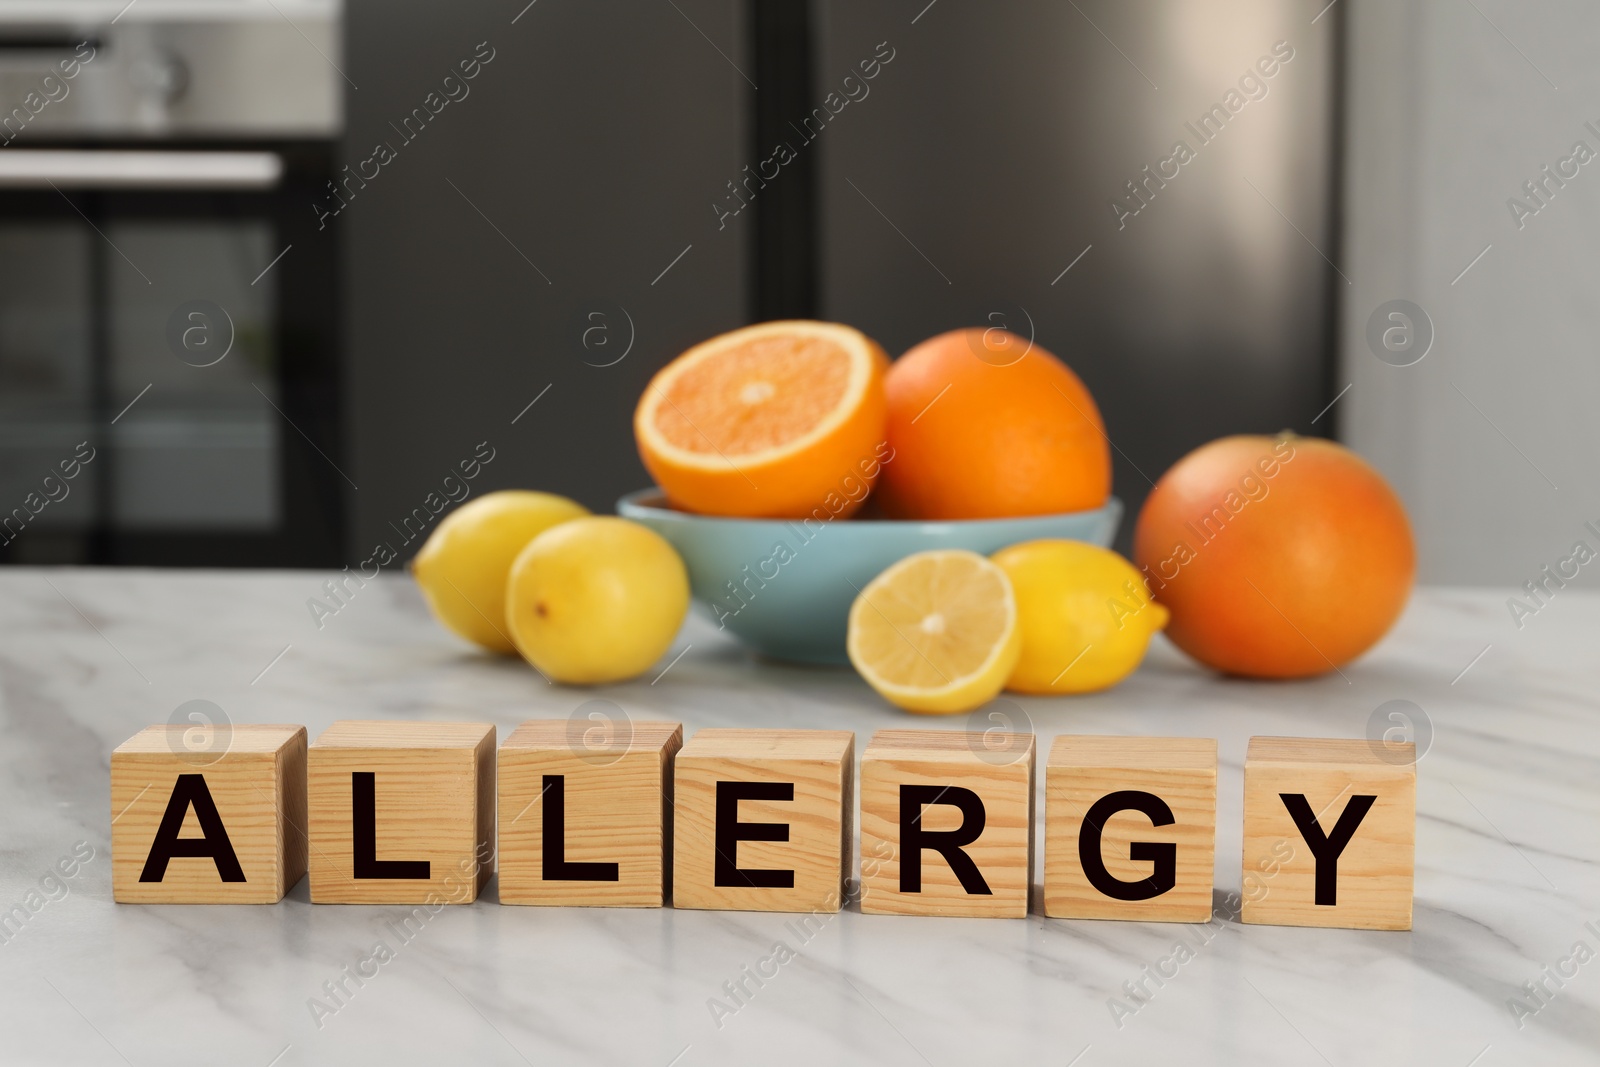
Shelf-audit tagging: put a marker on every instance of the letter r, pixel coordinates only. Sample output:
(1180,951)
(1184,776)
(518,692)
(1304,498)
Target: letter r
(948,843)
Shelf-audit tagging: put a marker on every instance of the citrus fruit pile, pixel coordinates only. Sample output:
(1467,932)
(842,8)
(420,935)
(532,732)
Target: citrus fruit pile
(793,419)
(586,599)
(1266,557)
(945,631)
(773,420)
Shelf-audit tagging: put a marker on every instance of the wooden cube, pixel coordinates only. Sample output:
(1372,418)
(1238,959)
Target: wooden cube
(947,823)
(585,822)
(401,812)
(762,820)
(1329,834)
(215,827)
(1130,828)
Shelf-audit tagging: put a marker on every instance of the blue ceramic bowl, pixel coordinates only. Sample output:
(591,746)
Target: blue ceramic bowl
(784,586)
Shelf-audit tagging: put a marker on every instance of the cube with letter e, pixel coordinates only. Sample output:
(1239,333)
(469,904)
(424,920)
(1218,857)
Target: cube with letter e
(947,823)
(762,820)
(1130,828)
(401,812)
(585,812)
(217,822)
(1329,833)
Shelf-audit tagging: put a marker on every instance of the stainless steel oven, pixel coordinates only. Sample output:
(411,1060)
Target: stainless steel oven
(169,387)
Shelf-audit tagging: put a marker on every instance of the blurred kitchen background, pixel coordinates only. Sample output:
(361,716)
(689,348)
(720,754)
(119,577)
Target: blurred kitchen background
(270,270)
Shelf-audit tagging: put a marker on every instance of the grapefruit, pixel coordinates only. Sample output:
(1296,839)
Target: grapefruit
(1277,557)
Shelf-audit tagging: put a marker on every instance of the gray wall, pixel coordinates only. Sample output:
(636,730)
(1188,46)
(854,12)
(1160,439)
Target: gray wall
(594,142)
(1491,438)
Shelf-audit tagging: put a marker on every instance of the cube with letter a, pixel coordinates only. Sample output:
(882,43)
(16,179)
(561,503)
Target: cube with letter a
(762,820)
(1130,828)
(219,823)
(947,823)
(401,812)
(586,814)
(1329,832)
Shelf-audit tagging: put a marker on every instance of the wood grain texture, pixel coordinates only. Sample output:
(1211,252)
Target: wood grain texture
(1375,870)
(256,779)
(819,764)
(434,801)
(616,799)
(1182,773)
(998,768)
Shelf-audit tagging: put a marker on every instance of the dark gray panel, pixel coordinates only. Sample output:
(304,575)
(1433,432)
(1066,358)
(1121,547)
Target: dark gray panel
(590,148)
(990,149)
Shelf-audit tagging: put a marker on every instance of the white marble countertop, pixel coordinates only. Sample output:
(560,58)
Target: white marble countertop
(1507,876)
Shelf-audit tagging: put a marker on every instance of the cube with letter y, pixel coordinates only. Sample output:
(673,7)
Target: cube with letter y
(947,823)
(401,812)
(1329,833)
(585,812)
(222,823)
(1130,828)
(762,820)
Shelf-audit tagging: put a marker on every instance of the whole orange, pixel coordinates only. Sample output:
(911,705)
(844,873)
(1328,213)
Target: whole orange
(984,424)
(1278,557)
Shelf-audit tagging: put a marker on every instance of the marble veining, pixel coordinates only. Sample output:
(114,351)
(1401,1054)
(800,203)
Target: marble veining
(1507,884)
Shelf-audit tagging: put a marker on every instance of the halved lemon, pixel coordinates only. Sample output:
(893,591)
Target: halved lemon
(936,632)
(776,420)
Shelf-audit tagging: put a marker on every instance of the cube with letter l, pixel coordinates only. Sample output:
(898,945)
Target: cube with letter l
(586,812)
(401,812)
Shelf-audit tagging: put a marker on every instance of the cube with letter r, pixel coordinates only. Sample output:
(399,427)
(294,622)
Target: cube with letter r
(947,823)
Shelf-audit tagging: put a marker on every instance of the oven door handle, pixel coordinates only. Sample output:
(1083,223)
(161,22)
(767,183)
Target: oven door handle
(94,168)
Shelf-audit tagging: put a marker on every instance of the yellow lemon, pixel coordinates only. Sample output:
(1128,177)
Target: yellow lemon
(1085,614)
(463,565)
(596,600)
(936,632)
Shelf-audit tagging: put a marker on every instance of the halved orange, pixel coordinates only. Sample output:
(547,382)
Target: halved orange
(776,420)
